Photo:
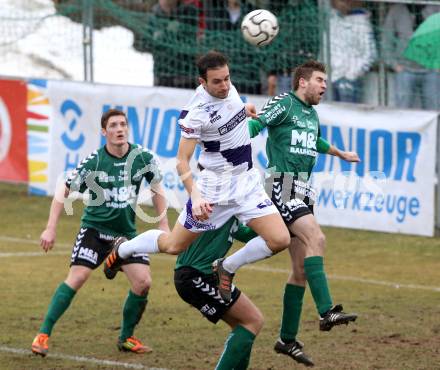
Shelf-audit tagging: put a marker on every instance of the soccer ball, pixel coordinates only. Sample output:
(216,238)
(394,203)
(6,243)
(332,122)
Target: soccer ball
(259,27)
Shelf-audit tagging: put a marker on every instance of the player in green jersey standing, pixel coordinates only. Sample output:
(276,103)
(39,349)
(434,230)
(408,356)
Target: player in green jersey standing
(293,144)
(196,285)
(113,175)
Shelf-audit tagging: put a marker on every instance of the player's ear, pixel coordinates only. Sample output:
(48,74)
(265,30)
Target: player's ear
(202,81)
(103,131)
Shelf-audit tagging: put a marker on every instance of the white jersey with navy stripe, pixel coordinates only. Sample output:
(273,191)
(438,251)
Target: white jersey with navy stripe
(220,126)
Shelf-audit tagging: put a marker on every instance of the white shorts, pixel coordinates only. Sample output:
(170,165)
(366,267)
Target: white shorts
(254,205)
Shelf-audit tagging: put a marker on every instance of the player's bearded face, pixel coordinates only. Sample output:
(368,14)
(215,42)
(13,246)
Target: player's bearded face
(217,82)
(116,131)
(315,88)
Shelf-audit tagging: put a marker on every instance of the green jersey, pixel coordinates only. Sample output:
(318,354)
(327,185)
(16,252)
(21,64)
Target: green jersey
(113,184)
(212,245)
(294,137)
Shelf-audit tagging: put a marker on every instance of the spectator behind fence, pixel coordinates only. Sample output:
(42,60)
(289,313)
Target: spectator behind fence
(226,14)
(352,49)
(297,42)
(223,23)
(171,36)
(411,79)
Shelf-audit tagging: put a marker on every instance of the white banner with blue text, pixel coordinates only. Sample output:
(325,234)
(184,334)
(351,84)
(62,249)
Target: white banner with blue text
(391,189)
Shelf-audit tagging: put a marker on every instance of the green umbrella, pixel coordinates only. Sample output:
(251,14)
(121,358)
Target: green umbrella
(424,45)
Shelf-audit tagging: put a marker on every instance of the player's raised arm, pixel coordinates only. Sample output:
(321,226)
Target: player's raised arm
(47,238)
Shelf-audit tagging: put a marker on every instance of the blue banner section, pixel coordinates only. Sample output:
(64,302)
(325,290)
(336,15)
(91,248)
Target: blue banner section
(394,153)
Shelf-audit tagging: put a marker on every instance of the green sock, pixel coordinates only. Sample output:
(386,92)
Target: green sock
(314,269)
(292,307)
(244,363)
(134,307)
(237,350)
(58,305)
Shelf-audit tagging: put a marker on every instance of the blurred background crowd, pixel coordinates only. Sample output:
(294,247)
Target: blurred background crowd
(365,44)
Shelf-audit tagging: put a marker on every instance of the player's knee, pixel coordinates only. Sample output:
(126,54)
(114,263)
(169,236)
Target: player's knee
(254,321)
(142,285)
(279,241)
(175,249)
(257,321)
(320,241)
(76,280)
(172,246)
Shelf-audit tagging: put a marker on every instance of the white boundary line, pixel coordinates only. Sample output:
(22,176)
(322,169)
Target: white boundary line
(90,360)
(253,267)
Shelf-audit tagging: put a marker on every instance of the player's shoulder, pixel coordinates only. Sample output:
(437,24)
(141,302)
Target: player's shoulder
(277,99)
(92,158)
(143,152)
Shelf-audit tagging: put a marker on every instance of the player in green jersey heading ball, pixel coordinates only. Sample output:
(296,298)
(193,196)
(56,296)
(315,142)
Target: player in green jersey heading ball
(293,143)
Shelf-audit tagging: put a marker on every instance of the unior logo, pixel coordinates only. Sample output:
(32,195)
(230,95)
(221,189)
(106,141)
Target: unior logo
(5,131)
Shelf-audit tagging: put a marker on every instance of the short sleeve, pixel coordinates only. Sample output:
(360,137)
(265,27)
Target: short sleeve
(190,122)
(76,181)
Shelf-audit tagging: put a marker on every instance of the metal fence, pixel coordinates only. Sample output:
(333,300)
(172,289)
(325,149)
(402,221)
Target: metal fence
(362,42)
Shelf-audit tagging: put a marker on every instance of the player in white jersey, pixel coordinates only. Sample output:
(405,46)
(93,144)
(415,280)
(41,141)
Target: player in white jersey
(227,186)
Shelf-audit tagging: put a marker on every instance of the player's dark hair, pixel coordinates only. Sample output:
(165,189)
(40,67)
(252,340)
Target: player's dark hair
(211,60)
(110,113)
(306,70)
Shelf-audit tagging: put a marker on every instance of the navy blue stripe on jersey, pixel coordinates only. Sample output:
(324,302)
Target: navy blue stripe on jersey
(183,114)
(237,156)
(211,146)
(232,123)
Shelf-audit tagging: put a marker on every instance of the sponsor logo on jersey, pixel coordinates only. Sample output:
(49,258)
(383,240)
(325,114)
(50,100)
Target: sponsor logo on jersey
(274,112)
(213,117)
(310,124)
(232,123)
(303,138)
(119,164)
(305,111)
(208,108)
(297,122)
(122,194)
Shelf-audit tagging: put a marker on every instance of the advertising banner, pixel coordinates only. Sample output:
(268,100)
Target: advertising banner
(13,141)
(391,189)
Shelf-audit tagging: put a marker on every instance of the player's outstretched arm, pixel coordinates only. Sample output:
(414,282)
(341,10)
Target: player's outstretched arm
(47,238)
(345,155)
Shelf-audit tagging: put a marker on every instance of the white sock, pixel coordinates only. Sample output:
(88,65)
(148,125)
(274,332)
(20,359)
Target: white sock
(254,250)
(143,243)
